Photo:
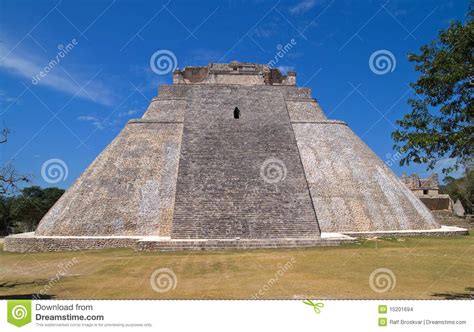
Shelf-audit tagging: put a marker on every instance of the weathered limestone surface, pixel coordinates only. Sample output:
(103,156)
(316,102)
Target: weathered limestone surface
(421,187)
(304,110)
(427,190)
(222,244)
(189,174)
(166,110)
(28,242)
(220,190)
(443,231)
(352,189)
(128,190)
(436,203)
(458,209)
(239,73)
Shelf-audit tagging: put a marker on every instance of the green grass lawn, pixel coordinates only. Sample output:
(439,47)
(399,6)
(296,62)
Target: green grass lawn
(424,268)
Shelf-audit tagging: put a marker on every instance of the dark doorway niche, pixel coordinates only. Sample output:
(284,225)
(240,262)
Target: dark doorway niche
(236,113)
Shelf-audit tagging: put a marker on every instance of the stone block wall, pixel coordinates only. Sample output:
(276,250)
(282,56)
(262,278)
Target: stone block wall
(220,190)
(41,244)
(437,203)
(352,189)
(166,110)
(128,190)
(304,110)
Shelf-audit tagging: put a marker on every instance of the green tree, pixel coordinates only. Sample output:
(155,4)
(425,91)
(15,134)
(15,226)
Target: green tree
(5,220)
(27,209)
(462,189)
(440,123)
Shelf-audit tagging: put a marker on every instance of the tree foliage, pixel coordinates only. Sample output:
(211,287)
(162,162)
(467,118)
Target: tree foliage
(5,220)
(462,189)
(23,212)
(439,125)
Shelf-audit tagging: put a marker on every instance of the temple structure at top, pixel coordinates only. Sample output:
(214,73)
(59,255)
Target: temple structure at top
(241,73)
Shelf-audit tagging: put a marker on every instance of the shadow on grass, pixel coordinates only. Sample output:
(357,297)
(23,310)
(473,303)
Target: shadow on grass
(468,294)
(33,296)
(9,284)
(27,297)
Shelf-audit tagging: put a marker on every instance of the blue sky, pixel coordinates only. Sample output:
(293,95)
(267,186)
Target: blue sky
(103,77)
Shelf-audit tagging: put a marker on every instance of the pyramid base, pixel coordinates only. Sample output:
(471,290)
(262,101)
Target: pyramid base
(29,242)
(443,231)
(163,244)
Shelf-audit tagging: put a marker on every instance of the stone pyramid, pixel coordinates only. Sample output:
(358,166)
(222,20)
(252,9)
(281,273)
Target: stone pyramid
(230,155)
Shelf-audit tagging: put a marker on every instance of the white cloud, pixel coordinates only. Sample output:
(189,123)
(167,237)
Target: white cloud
(302,7)
(30,66)
(128,113)
(92,119)
(5,98)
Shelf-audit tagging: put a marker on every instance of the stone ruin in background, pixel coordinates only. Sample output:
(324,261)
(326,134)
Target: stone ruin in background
(427,190)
